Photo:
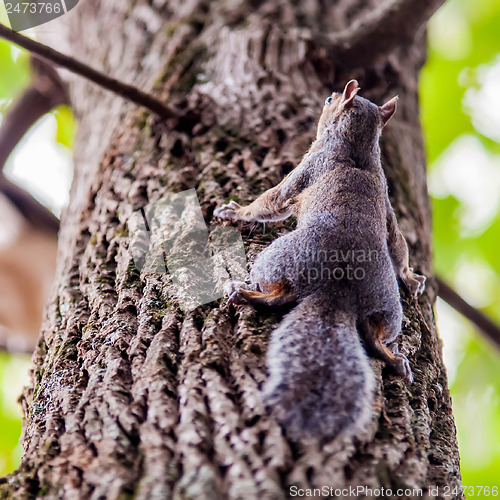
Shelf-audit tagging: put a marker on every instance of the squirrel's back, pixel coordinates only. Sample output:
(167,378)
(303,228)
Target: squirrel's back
(345,195)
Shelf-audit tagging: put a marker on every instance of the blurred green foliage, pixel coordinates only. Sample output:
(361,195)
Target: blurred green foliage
(464,41)
(15,73)
(13,375)
(66,126)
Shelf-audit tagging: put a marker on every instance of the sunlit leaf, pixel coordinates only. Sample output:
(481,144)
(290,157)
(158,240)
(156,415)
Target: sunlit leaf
(66,126)
(15,71)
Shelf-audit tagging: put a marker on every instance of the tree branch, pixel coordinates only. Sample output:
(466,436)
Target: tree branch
(31,209)
(485,324)
(122,89)
(14,350)
(45,93)
(394,23)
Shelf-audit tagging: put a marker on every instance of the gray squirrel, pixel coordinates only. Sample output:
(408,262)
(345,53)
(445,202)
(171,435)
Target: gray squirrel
(340,265)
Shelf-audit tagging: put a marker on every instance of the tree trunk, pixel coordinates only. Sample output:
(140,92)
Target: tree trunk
(133,397)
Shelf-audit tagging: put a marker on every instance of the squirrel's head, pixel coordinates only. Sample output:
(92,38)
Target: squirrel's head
(353,114)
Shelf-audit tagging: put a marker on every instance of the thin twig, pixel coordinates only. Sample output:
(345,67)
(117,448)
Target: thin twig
(484,323)
(394,23)
(122,89)
(19,351)
(31,209)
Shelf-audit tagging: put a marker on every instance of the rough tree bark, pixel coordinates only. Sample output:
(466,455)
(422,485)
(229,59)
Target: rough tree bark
(132,397)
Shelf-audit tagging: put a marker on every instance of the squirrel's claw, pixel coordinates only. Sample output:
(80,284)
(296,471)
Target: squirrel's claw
(233,286)
(415,283)
(401,364)
(228,211)
(403,368)
(235,298)
(233,289)
(421,279)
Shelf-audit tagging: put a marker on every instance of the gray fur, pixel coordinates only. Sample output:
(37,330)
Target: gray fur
(318,383)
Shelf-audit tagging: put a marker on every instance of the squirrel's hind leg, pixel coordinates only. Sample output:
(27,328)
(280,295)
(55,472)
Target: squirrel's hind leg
(375,332)
(277,294)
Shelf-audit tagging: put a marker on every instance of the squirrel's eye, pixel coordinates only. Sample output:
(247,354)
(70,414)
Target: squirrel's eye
(328,100)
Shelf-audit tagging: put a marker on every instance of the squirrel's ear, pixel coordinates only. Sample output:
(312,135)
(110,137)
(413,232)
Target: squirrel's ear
(350,91)
(388,109)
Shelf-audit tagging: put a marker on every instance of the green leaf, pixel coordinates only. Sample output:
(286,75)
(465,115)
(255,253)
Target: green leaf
(15,71)
(66,126)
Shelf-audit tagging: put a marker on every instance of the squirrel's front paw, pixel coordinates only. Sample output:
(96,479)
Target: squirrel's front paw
(232,286)
(415,283)
(233,290)
(229,211)
(235,298)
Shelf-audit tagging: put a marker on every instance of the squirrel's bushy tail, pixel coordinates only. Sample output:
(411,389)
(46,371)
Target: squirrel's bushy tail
(320,380)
